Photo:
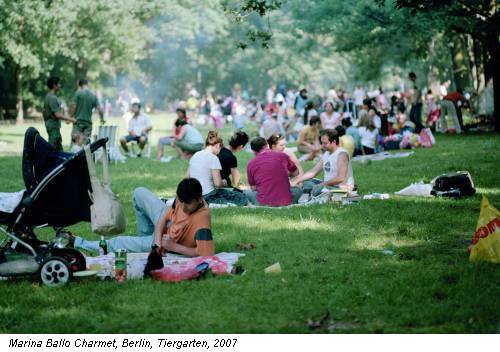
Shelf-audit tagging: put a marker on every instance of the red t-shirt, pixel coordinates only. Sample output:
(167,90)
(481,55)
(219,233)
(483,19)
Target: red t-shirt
(268,171)
(455,96)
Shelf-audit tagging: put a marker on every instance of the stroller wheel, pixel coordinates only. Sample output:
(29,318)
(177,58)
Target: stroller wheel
(55,272)
(73,257)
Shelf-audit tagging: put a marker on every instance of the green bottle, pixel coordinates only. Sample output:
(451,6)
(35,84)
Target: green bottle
(103,246)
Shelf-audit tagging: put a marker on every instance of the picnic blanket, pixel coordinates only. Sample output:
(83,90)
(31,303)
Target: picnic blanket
(9,201)
(136,263)
(381,156)
(343,197)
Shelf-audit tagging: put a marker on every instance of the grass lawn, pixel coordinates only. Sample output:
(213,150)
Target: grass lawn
(331,257)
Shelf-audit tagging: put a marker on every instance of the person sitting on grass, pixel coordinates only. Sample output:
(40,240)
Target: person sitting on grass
(228,161)
(206,168)
(139,127)
(267,175)
(335,164)
(308,139)
(368,133)
(187,140)
(270,126)
(353,132)
(346,141)
(277,143)
(183,228)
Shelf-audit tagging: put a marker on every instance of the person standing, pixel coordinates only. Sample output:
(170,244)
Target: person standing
(84,103)
(451,105)
(415,99)
(53,114)
(300,102)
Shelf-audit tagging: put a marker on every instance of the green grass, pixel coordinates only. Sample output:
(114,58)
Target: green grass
(330,255)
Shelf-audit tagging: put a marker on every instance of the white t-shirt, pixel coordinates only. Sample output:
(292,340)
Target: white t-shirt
(377,121)
(359,95)
(200,167)
(368,137)
(330,121)
(139,123)
(330,163)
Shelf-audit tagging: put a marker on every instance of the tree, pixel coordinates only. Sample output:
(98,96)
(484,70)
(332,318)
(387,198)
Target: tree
(25,27)
(478,18)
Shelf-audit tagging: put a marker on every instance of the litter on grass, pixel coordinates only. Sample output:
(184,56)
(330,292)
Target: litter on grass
(136,262)
(376,196)
(273,269)
(486,240)
(416,189)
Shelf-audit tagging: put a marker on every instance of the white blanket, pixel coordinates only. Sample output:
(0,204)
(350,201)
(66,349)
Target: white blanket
(136,262)
(9,201)
(381,156)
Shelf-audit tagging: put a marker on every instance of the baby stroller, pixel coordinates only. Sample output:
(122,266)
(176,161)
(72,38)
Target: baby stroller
(57,194)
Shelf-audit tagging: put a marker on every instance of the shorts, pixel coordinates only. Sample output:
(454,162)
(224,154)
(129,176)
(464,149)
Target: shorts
(163,141)
(189,147)
(129,138)
(82,128)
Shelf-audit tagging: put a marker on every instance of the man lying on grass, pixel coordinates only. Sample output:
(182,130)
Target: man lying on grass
(335,163)
(183,228)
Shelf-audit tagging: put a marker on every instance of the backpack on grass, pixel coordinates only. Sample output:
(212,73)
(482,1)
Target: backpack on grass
(454,184)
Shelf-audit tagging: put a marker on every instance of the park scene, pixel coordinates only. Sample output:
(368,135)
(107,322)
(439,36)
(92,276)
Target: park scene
(244,166)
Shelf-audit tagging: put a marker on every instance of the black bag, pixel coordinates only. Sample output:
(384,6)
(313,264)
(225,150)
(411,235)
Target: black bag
(155,261)
(455,184)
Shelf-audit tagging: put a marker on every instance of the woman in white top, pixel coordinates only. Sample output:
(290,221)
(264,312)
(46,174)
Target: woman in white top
(368,133)
(205,167)
(329,118)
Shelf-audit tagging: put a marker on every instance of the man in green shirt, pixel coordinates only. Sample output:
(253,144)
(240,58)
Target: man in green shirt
(53,114)
(84,102)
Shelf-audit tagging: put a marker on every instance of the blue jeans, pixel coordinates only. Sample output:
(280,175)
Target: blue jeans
(309,185)
(252,195)
(148,210)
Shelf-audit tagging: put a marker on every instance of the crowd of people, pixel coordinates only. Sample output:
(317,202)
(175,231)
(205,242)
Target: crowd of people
(375,120)
(329,130)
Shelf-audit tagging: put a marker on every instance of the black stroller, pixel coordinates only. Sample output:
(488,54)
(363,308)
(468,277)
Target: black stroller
(57,194)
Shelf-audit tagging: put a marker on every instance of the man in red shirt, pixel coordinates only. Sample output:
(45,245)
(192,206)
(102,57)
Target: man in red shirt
(268,176)
(451,105)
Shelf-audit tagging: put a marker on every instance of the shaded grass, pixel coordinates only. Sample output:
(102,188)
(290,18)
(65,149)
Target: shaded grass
(331,258)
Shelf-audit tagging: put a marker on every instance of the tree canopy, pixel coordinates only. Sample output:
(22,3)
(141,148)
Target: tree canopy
(156,47)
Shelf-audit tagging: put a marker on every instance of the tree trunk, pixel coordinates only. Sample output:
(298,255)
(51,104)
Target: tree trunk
(478,59)
(80,70)
(19,96)
(493,48)
(461,68)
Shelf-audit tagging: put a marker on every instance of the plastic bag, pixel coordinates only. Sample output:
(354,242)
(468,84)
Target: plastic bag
(486,240)
(189,270)
(416,189)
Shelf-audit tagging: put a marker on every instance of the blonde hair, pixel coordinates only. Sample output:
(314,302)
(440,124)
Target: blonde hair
(213,138)
(365,120)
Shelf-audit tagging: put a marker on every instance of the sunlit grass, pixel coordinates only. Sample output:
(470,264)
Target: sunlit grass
(331,256)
